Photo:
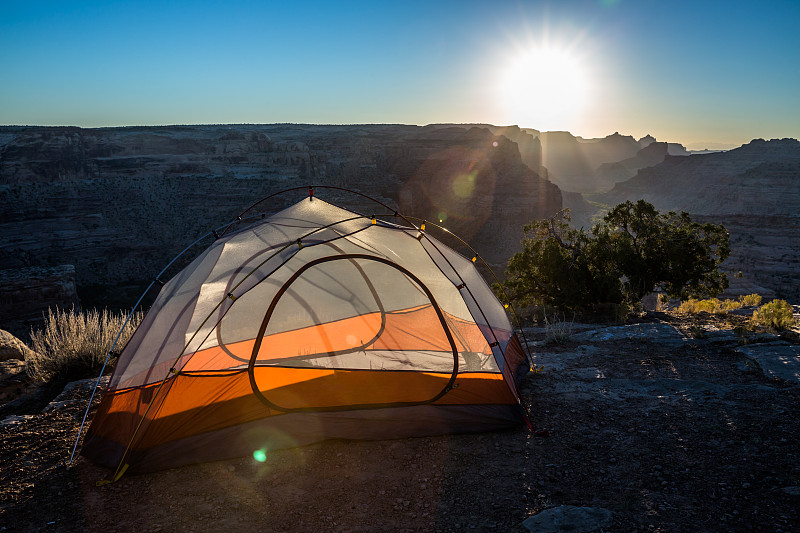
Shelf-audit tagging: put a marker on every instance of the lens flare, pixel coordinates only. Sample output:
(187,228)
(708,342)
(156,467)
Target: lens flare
(464,185)
(456,186)
(260,455)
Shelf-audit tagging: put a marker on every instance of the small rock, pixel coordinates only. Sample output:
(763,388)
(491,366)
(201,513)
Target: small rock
(569,518)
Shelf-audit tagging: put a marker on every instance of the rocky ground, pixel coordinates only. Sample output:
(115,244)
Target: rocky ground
(664,425)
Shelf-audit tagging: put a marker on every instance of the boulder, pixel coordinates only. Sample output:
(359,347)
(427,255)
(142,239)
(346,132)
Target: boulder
(11,347)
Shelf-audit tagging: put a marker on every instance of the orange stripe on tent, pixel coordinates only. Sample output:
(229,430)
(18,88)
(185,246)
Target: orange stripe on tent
(418,329)
(198,403)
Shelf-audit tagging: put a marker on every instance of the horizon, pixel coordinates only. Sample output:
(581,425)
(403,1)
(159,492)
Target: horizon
(715,146)
(589,67)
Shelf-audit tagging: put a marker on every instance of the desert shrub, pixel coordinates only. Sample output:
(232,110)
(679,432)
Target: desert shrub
(74,344)
(558,329)
(561,268)
(713,306)
(633,251)
(668,251)
(723,306)
(777,315)
(750,300)
(689,307)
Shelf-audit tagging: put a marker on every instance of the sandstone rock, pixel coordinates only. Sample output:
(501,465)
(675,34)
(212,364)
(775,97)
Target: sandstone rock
(27,293)
(573,162)
(13,420)
(611,173)
(660,333)
(11,347)
(569,518)
(792,491)
(76,392)
(775,360)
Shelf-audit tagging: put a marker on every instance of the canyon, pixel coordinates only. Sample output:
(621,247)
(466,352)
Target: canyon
(753,190)
(93,215)
(118,203)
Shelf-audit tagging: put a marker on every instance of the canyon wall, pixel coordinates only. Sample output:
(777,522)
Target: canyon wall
(754,191)
(118,203)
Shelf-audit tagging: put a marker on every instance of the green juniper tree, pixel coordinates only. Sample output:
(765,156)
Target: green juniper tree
(633,251)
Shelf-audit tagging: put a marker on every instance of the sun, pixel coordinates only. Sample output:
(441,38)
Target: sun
(544,88)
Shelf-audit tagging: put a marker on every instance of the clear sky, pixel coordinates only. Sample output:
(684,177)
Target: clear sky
(702,73)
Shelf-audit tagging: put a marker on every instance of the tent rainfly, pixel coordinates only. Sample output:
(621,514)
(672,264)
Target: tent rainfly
(313,323)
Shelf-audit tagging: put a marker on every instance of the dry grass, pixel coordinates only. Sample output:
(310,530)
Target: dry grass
(558,329)
(75,344)
(751,300)
(776,315)
(715,306)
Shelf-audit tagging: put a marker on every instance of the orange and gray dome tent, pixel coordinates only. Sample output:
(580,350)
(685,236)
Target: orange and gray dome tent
(311,323)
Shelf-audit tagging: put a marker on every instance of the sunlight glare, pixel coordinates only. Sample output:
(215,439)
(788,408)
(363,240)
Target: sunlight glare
(544,88)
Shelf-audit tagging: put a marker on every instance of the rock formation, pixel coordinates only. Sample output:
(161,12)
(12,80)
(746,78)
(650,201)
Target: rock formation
(119,203)
(609,174)
(26,293)
(753,190)
(12,348)
(591,165)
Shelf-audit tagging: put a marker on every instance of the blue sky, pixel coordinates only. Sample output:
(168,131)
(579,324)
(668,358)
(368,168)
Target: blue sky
(701,73)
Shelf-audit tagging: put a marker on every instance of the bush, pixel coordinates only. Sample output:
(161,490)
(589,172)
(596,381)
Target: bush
(633,251)
(561,268)
(558,330)
(750,300)
(74,345)
(712,306)
(777,315)
(668,251)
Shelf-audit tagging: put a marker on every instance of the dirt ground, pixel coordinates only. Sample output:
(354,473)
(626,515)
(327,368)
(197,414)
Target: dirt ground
(718,457)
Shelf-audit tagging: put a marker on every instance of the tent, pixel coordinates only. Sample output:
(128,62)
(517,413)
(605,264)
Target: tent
(312,323)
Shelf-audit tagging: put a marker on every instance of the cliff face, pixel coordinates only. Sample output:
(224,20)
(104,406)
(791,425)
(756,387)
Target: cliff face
(753,190)
(759,178)
(118,203)
(609,174)
(481,190)
(589,165)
